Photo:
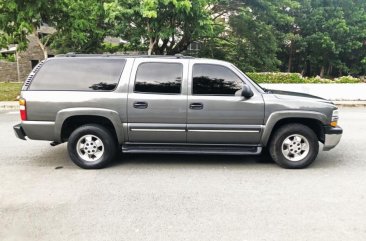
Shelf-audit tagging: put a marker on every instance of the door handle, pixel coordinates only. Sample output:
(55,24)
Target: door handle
(196,106)
(140,105)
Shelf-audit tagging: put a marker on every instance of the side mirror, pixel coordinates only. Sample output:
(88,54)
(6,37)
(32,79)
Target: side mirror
(247,92)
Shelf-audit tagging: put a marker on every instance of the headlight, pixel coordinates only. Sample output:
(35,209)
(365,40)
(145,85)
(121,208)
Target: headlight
(335,117)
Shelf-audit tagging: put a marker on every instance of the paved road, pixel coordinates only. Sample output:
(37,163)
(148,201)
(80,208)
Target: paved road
(147,197)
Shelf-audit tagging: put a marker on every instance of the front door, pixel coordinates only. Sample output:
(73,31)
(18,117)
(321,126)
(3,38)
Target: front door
(157,102)
(217,113)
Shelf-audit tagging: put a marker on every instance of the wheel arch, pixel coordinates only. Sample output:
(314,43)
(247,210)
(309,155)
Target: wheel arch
(68,120)
(314,120)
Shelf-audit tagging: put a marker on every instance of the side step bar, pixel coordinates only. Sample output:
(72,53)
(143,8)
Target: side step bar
(193,149)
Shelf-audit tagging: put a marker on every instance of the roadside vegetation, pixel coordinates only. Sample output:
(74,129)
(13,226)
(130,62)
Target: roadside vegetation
(294,78)
(310,37)
(9,91)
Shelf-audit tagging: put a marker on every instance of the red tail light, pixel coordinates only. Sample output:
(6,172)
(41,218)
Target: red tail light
(23,109)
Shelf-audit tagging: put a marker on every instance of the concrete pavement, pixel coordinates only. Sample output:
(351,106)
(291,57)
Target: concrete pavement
(43,196)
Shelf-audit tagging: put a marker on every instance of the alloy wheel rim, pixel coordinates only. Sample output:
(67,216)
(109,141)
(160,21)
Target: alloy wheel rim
(90,148)
(295,147)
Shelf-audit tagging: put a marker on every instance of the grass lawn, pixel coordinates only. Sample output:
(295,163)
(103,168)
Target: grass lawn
(9,91)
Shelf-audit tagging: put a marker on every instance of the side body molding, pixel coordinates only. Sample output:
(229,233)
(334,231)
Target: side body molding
(111,115)
(277,116)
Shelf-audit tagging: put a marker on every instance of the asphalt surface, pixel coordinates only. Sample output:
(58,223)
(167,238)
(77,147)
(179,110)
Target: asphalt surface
(43,196)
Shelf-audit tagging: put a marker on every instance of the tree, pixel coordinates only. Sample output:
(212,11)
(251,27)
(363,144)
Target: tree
(327,38)
(163,26)
(79,24)
(254,33)
(313,37)
(19,19)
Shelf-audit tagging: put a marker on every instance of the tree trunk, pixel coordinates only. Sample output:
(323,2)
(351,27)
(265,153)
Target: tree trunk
(152,40)
(303,72)
(181,45)
(290,58)
(151,47)
(40,44)
(330,70)
(322,71)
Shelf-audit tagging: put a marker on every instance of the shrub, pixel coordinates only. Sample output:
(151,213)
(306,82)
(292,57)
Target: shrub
(276,77)
(8,57)
(347,79)
(296,78)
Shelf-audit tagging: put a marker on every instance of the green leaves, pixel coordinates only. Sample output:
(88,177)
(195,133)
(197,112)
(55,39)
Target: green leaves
(312,37)
(80,24)
(331,33)
(81,27)
(160,26)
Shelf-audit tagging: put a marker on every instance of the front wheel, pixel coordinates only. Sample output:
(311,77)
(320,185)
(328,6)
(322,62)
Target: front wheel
(294,146)
(91,146)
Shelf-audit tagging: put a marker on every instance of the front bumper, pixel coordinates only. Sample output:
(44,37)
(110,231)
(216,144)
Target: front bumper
(19,132)
(332,137)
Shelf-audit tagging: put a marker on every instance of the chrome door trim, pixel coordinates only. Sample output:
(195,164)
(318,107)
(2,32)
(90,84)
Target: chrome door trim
(227,131)
(154,130)
(188,144)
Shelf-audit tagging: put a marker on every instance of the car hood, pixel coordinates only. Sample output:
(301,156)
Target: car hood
(284,94)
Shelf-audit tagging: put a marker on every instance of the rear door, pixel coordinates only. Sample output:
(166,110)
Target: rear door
(217,113)
(157,101)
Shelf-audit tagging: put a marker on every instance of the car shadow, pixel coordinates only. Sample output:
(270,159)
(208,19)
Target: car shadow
(58,157)
(182,159)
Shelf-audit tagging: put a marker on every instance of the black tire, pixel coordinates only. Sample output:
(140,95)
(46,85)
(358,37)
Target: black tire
(105,136)
(280,135)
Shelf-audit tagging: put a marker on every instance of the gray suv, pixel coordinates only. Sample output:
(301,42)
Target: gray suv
(105,104)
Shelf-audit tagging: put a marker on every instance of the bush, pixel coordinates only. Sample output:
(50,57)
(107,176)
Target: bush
(276,77)
(8,57)
(347,79)
(295,78)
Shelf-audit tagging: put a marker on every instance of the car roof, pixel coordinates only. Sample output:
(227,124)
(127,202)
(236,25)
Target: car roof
(155,57)
(177,56)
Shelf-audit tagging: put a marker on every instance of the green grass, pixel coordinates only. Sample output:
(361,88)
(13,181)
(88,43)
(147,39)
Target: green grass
(9,91)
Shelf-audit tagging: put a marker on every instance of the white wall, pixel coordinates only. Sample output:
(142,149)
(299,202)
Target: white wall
(327,91)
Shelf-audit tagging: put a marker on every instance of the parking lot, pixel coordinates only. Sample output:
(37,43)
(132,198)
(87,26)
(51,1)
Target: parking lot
(43,196)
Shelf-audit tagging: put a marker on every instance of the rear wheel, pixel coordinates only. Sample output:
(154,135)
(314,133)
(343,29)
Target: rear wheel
(294,146)
(92,146)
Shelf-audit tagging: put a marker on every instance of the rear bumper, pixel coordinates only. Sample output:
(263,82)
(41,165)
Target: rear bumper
(19,132)
(333,136)
(35,130)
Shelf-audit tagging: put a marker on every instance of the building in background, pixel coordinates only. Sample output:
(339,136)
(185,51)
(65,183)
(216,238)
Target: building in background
(22,62)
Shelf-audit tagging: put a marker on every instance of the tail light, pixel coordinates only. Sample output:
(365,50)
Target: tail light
(23,109)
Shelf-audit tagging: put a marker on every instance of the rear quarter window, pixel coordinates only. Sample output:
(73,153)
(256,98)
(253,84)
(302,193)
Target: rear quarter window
(79,75)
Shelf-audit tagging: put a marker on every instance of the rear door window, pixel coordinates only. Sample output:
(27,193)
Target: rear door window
(163,78)
(79,74)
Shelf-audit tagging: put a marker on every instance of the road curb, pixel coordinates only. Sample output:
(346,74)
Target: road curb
(354,104)
(13,105)
(9,105)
